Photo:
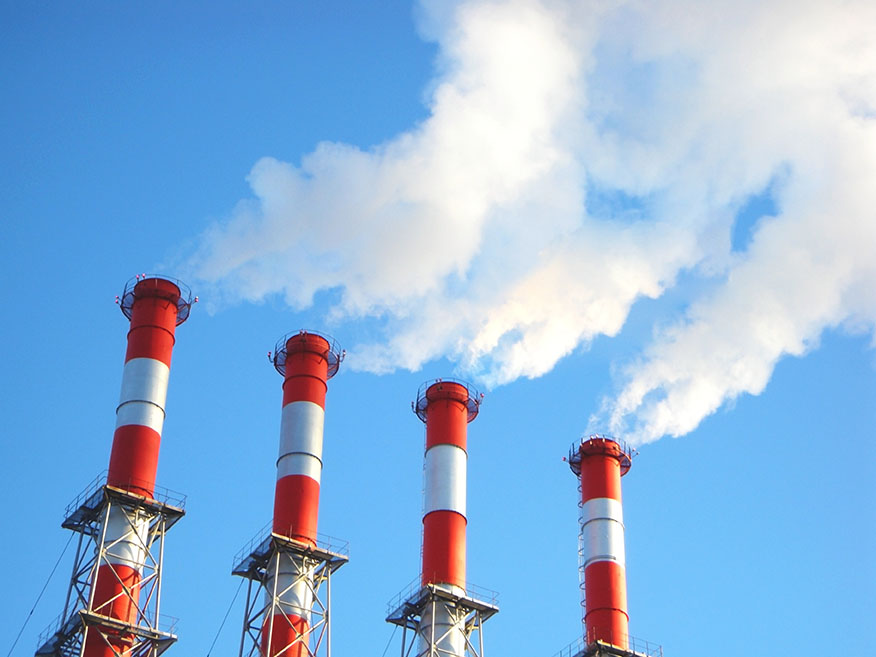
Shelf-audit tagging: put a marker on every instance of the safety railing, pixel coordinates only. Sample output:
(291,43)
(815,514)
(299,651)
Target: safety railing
(323,542)
(159,494)
(634,646)
(472,590)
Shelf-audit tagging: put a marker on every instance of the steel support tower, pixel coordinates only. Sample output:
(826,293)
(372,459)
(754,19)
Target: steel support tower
(289,570)
(440,618)
(114,600)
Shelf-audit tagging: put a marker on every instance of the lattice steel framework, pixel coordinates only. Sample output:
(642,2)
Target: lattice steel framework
(146,520)
(262,566)
(468,614)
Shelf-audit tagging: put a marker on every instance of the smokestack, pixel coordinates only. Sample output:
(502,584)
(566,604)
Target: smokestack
(304,364)
(306,360)
(119,580)
(155,307)
(600,462)
(442,612)
(446,407)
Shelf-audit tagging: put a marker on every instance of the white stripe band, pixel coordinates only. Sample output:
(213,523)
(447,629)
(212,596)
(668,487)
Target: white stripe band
(445,478)
(602,531)
(142,413)
(300,464)
(442,631)
(294,593)
(602,507)
(145,379)
(301,428)
(144,390)
(126,538)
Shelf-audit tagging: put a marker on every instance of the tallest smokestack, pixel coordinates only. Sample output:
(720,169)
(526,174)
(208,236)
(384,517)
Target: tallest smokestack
(121,522)
(155,306)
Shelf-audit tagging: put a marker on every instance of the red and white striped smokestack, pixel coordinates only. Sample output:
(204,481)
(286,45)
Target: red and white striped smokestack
(600,462)
(155,306)
(306,360)
(446,407)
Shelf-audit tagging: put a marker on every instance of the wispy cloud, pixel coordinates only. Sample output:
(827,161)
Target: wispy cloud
(577,157)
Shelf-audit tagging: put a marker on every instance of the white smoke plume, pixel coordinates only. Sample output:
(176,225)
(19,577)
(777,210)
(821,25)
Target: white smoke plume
(577,157)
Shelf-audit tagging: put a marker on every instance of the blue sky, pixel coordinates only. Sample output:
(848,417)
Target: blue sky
(133,141)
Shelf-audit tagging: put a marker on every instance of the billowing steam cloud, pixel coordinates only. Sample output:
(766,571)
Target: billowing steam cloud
(579,156)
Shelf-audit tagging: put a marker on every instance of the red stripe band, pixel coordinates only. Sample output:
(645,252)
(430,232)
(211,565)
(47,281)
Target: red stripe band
(153,320)
(444,548)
